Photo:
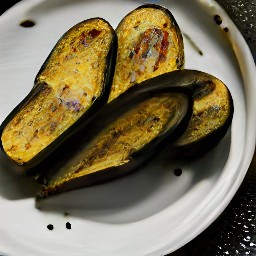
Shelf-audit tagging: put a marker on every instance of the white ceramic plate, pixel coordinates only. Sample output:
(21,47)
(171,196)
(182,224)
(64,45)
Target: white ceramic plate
(151,212)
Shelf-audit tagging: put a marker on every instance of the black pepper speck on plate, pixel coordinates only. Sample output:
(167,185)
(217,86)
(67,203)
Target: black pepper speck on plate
(50,227)
(177,172)
(217,19)
(68,225)
(27,23)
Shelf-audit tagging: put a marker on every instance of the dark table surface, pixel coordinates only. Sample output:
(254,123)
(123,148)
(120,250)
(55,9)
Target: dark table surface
(234,232)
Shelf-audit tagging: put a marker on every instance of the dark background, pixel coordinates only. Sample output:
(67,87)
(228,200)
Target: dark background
(234,232)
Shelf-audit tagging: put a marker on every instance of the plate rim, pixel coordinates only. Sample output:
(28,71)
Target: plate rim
(246,64)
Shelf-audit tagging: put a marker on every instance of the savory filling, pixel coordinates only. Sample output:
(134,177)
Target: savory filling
(71,80)
(149,44)
(210,111)
(115,145)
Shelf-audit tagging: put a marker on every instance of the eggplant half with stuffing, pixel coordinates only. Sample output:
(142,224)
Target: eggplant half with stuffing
(150,43)
(73,83)
(129,131)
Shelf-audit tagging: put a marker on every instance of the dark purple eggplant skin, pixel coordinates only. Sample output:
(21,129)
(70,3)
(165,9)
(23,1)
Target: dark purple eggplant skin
(29,167)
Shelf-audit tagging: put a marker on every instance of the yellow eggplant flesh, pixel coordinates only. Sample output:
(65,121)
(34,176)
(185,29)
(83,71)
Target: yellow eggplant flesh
(68,84)
(118,146)
(211,117)
(149,44)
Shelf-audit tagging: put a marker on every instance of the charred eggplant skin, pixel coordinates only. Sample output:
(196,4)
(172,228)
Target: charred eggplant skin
(40,86)
(150,43)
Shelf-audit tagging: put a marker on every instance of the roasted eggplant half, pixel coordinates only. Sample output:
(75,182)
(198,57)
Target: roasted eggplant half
(149,44)
(124,134)
(212,115)
(73,83)
(136,125)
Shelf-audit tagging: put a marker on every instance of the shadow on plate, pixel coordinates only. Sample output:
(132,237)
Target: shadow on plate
(142,193)
(134,197)
(15,186)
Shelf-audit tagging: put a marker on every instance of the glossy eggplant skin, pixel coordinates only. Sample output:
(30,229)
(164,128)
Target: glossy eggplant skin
(62,78)
(150,43)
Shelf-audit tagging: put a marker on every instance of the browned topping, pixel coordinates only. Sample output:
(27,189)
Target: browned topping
(151,38)
(87,37)
(162,51)
(94,32)
(28,145)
